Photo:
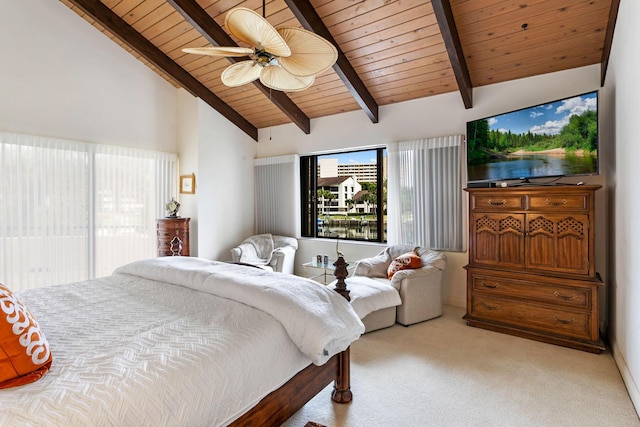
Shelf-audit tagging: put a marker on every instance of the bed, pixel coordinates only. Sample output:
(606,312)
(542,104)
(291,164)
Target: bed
(185,341)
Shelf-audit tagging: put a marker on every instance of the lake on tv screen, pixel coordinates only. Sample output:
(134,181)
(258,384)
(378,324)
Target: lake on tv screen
(534,165)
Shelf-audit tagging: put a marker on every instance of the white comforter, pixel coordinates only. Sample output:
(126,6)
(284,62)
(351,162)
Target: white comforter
(134,349)
(318,320)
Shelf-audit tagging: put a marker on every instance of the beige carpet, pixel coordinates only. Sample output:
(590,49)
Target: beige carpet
(444,373)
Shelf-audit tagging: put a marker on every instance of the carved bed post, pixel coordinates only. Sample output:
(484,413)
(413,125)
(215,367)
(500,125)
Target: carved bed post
(342,385)
(341,273)
(280,404)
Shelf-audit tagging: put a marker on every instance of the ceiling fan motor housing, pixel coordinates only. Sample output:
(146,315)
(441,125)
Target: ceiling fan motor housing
(263,58)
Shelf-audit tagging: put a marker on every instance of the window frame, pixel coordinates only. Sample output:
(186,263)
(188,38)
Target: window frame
(308,195)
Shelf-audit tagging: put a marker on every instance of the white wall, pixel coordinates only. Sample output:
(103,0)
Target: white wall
(623,96)
(429,117)
(225,184)
(188,148)
(59,77)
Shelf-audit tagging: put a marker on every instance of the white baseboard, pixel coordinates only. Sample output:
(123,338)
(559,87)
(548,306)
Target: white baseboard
(629,382)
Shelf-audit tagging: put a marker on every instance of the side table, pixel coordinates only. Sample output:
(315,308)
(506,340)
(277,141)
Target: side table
(173,236)
(321,272)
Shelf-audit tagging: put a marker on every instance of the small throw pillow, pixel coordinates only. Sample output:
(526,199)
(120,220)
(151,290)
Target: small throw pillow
(403,262)
(24,350)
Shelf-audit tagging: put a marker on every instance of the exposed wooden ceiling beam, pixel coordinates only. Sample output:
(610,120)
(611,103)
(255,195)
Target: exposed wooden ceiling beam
(119,28)
(608,39)
(308,17)
(444,16)
(210,30)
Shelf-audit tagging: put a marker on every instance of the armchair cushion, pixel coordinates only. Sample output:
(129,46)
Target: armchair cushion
(369,295)
(268,251)
(432,263)
(409,260)
(256,249)
(373,267)
(280,242)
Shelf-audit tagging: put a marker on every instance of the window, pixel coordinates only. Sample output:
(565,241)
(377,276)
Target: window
(73,211)
(343,195)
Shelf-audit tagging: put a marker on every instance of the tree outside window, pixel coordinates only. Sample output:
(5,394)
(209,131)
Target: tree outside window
(340,193)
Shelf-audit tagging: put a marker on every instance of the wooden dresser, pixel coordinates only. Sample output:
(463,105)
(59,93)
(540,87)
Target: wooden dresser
(173,236)
(531,270)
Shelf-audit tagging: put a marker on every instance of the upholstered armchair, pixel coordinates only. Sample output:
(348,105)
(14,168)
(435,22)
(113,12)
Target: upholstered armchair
(420,289)
(267,251)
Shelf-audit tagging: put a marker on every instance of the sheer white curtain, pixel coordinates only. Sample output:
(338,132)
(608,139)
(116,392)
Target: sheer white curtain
(72,210)
(277,186)
(131,188)
(425,200)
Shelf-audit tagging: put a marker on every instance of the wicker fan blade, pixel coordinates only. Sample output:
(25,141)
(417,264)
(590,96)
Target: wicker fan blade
(254,30)
(219,51)
(280,79)
(240,73)
(310,53)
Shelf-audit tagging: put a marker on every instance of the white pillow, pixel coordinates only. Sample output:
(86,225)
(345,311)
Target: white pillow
(374,267)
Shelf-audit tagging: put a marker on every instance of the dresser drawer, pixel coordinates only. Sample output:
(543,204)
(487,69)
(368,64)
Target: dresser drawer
(557,321)
(558,202)
(170,234)
(497,202)
(531,290)
(165,243)
(178,228)
(164,246)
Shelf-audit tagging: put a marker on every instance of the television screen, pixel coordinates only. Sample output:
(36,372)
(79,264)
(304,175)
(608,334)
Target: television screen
(555,139)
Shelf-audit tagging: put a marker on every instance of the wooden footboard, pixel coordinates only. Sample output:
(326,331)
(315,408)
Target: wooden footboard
(282,403)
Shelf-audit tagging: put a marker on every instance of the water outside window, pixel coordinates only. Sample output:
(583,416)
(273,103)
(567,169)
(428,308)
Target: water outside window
(348,197)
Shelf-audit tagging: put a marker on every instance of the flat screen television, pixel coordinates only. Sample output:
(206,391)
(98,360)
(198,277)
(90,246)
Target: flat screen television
(551,140)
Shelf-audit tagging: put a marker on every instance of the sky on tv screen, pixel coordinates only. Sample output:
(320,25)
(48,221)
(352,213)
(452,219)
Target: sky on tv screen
(546,118)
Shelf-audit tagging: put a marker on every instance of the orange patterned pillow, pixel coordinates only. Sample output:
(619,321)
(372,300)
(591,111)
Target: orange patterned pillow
(403,262)
(24,351)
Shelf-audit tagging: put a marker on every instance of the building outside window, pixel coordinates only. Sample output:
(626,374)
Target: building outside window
(340,194)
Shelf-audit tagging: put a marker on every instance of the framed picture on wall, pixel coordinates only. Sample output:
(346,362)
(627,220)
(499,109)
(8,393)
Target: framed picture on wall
(188,184)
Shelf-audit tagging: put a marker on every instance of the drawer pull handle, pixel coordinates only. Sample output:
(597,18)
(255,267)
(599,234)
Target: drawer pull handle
(490,286)
(489,307)
(176,246)
(497,202)
(556,203)
(566,322)
(565,297)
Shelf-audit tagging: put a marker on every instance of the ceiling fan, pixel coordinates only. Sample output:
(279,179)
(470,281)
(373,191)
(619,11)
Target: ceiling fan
(283,58)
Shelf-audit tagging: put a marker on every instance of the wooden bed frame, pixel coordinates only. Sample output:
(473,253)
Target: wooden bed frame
(279,405)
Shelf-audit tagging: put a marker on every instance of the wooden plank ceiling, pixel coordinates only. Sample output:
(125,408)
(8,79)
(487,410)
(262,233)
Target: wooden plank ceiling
(389,50)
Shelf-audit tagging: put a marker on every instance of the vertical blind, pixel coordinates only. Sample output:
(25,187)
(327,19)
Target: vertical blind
(425,198)
(277,198)
(73,211)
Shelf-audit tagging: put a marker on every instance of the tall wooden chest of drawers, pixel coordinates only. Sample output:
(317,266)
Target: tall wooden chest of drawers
(531,270)
(173,236)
